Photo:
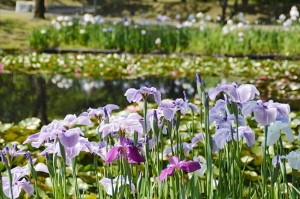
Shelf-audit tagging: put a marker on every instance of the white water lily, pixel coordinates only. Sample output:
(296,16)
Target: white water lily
(274,132)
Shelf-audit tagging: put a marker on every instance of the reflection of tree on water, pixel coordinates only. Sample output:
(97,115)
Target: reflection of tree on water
(49,98)
(40,109)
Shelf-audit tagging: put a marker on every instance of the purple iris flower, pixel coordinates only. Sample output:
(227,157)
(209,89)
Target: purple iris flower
(175,163)
(267,112)
(134,95)
(219,115)
(224,135)
(241,94)
(170,107)
(127,150)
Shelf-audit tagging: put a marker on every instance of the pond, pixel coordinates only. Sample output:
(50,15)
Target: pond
(53,96)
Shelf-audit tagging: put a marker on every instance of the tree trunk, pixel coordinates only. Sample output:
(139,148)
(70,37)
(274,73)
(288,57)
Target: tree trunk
(40,110)
(234,9)
(224,4)
(39,9)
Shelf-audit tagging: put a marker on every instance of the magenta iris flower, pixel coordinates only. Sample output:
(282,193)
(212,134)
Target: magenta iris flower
(125,149)
(267,112)
(175,163)
(240,94)
(134,95)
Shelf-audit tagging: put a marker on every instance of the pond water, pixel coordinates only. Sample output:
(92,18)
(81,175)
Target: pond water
(50,97)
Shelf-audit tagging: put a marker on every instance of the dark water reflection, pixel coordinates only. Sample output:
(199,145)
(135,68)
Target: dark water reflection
(49,97)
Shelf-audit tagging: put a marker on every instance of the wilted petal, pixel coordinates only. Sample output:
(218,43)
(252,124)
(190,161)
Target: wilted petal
(70,137)
(193,107)
(247,133)
(276,160)
(166,172)
(196,139)
(157,97)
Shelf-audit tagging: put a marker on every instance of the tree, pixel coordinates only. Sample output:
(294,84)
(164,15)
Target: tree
(39,9)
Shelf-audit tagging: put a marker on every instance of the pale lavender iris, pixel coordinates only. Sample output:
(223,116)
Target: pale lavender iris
(186,147)
(130,124)
(127,150)
(240,94)
(175,163)
(134,95)
(170,107)
(81,145)
(224,135)
(267,112)
(19,180)
(104,112)
(219,115)
(65,130)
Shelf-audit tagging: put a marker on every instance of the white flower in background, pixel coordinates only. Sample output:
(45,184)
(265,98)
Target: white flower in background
(218,18)
(208,18)
(240,25)
(274,132)
(143,32)
(178,16)
(43,31)
(187,24)
(157,41)
(282,17)
(70,23)
(60,18)
(199,15)
(126,23)
(115,184)
(240,34)
(178,26)
(82,31)
(294,13)
(287,23)
(88,18)
(225,30)
(200,172)
(229,22)
(67,18)
(294,159)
